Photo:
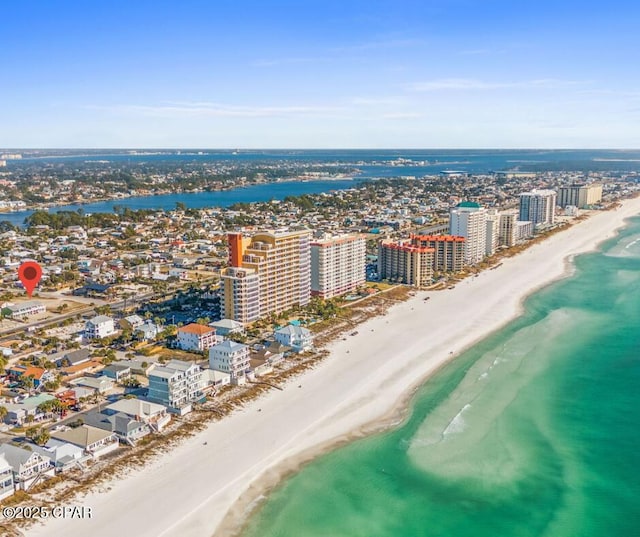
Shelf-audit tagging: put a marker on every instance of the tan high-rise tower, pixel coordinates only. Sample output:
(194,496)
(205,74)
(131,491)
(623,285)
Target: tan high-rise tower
(269,273)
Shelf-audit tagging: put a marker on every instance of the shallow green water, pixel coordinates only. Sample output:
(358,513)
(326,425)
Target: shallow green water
(534,432)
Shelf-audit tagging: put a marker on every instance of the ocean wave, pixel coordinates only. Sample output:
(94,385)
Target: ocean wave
(631,244)
(457,424)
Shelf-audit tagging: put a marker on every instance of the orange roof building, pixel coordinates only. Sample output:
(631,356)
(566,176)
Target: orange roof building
(196,337)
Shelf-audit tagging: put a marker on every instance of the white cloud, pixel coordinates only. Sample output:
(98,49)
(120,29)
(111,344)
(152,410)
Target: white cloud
(474,84)
(208,109)
(378,101)
(291,61)
(402,115)
(382,44)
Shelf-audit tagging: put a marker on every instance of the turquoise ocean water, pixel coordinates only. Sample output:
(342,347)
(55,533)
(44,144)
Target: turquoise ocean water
(533,432)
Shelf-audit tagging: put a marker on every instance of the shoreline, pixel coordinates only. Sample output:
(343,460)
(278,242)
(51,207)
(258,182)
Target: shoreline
(364,386)
(118,199)
(246,506)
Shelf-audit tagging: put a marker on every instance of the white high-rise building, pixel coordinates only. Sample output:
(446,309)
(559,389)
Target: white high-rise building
(493,225)
(538,206)
(338,265)
(469,220)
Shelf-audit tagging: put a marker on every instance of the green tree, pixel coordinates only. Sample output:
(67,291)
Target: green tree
(27,382)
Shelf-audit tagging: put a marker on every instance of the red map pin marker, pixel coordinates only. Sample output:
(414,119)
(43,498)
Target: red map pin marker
(30,273)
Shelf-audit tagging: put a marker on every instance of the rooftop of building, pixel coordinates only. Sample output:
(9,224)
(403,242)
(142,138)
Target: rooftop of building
(195,328)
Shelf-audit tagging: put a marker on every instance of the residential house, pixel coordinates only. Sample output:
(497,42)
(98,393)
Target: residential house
(77,357)
(18,412)
(38,374)
(268,355)
(225,327)
(131,322)
(7,487)
(278,350)
(99,327)
(154,415)
(296,337)
(97,384)
(63,456)
(196,337)
(138,367)
(116,372)
(230,357)
(259,367)
(92,440)
(215,379)
(147,331)
(28,466)
(177,384)
(179,273)
(94,289)
(128,430)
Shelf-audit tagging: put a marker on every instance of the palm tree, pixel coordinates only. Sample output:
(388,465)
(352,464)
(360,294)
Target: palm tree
(28,383)
(3,412)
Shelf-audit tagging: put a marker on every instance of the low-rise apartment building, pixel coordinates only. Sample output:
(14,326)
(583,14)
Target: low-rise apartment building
(196,337)
(177,385)
(230,357)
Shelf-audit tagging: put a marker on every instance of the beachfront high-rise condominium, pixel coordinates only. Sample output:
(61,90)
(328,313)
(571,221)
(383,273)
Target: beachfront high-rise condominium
(448,255)
(538,206)
(338,265)
(405,263)
(507,227)
(493,232)
(240,295)
(469,220)
(579,195)
(280,261)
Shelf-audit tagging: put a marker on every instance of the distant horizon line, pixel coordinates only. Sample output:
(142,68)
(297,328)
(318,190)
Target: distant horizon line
(193,148)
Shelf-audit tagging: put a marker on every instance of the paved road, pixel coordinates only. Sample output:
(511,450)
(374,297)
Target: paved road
(115,306)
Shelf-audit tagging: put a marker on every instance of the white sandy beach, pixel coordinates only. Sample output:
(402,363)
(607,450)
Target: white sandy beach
(190,491)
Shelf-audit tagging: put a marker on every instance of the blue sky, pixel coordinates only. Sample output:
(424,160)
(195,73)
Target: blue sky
(350,74)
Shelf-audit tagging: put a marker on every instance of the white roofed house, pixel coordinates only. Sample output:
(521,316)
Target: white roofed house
(7,487)
(154,415)
(225,327)
(147,331)
(91,440)
(296,337)
(129,419)
(28,466)
(99,327)
(64,456)
(128,429)
(177,385)
(230,357)
(131,322)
